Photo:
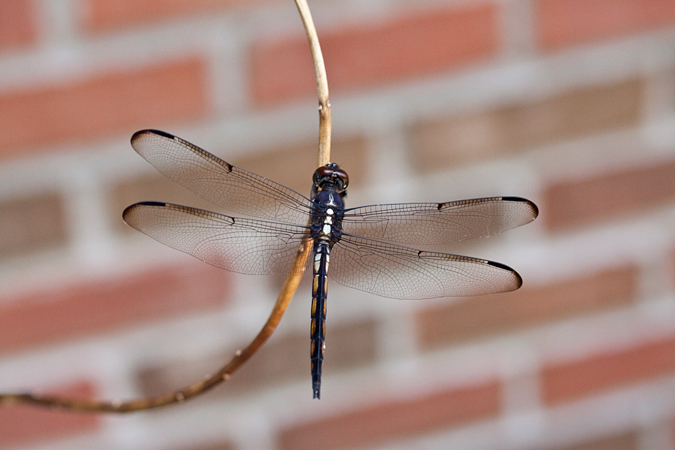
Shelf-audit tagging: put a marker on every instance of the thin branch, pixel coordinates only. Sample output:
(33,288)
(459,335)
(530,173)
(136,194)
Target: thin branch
(321,83)
(283,300)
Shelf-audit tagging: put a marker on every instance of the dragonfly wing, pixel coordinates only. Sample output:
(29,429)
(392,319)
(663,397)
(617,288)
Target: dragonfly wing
(438,223)
(406,273)
(219,182)
(249,246)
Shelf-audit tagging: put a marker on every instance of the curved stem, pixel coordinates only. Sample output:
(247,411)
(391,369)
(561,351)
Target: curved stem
(283,300)
(321,83)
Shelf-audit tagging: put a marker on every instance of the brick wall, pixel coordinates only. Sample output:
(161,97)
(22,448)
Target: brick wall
(570,103)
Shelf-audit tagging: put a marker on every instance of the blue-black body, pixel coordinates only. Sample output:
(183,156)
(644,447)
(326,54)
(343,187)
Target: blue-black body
(326,229)
(359,246)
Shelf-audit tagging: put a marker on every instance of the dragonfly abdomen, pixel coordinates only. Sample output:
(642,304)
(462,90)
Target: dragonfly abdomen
(318,327)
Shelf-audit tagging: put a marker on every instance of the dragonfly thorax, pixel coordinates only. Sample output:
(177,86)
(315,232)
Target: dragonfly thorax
(328,210)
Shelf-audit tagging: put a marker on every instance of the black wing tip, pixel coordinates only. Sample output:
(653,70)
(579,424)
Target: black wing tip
(128,209)
(534,207)
(519,279)
(151,203)
(500,265)
(161,133)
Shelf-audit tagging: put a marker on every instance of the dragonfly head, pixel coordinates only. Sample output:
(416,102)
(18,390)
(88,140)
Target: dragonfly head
(332,175)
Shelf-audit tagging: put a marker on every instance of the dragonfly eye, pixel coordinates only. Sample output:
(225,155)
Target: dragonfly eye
(331,173)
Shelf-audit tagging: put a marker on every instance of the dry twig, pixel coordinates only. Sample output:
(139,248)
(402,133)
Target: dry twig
(283,300)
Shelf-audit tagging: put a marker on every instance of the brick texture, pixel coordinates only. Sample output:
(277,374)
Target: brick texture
(591,200)
(491,315)
(218,446)
(31,224)
(386,52)
(245,74)
(561,23)
(25,424)
(627,441)
(153,186)
(294,165)
(101,105)
(18,26)
(502,132)
(283,359)
(396,419)
(104,15)
(96,307)
(602,372)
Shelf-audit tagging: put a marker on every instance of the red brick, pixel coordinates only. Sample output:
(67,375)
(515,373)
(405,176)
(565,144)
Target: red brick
(281,360)
(150,186)
(396,419)
(452,141)
(104,15)
(18,27)
(31,224)
(595,199)
(561,23)
(373,53)
(627,441)
(22,424)
(218,446)
(601,372)
(491,315)
(97,307)
(101,105)
(293,165)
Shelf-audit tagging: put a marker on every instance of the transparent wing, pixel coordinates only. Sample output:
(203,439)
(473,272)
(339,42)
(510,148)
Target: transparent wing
(405,273)
(438,223)
(249,246)
(219,182)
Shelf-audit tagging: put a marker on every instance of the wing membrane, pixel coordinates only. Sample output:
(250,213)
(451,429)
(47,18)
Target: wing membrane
(438,223)
(405,273)
(219,182)
(248,246)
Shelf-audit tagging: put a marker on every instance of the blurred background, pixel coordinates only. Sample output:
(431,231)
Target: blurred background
(570,103)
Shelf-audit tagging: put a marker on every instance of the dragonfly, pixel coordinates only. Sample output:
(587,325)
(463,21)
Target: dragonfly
(364,248)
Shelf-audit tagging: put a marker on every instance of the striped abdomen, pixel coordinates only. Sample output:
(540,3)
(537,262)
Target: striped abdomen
(318,327)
